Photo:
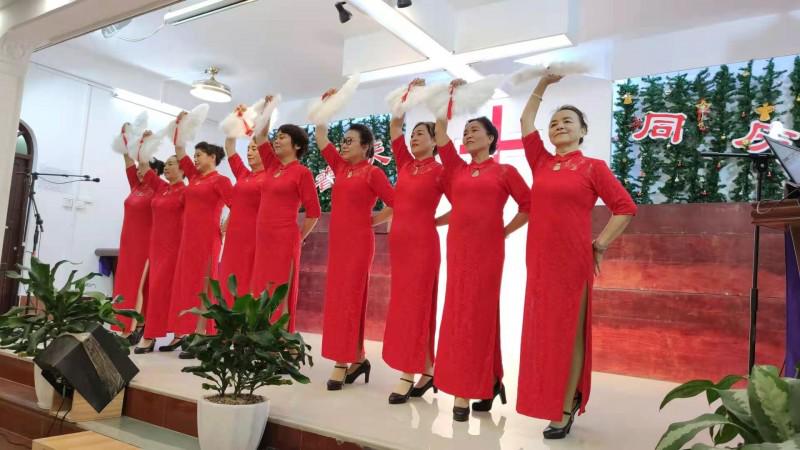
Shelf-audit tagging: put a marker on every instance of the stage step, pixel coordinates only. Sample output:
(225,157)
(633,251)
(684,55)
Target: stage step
(142,434)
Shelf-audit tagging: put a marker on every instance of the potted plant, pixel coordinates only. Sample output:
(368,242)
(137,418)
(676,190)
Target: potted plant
(763,416)
(248,351)
(69,309)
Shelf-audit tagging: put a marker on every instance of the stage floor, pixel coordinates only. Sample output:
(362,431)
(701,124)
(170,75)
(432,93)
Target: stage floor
(622,413)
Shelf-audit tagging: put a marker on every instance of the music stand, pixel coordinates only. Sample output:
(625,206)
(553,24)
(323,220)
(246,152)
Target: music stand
(789,159)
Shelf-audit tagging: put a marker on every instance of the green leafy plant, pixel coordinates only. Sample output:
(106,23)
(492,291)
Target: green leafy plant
(248,350)
(69,309)
(764,416)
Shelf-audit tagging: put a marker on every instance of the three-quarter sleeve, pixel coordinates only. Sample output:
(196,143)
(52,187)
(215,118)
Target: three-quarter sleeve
(450,157)
(333,158)
(380,185)
(535,152)
(517,188)
(224,188)
(130,173)
(187,166)
(308,194)
(267,154)
(401,154)
(611,191)
(237,167)
(154,181)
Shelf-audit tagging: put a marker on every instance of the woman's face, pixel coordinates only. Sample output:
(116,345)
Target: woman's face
(253,157)
(565,129)
(203,161)
(422,142)
(476,139)
(283,145)
(172,171)
(352,149)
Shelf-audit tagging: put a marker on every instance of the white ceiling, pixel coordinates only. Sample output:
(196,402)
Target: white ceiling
(295,47)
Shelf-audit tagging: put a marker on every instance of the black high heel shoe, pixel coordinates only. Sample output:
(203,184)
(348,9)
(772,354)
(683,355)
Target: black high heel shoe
(336,385)
(176,343)
(486,404)
(136,336)
(552,432)
(363,367)
(148,349)
(396,399)
(460,414)
(420,391)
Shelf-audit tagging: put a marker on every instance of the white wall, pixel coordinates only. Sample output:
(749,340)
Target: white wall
(74,124)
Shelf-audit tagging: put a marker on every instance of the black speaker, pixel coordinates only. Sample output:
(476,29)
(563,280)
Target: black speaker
(92,363)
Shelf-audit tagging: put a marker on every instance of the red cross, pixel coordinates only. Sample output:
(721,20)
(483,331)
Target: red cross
(497,120)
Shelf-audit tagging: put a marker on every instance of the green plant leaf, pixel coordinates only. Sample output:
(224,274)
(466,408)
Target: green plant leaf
(232,287)
(725,383)
(703,447)
(687,390)
(216,291)
(680,433)
(737,402)
(790,444)
(794,401)
(769,403)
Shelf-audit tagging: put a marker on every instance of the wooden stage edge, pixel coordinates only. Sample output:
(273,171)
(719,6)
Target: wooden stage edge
(22,421)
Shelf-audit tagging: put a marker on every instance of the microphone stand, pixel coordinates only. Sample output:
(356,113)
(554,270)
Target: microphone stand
(39,225)
(759,165)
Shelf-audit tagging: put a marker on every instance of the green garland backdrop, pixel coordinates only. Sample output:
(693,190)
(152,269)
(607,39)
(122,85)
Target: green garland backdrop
(655,171)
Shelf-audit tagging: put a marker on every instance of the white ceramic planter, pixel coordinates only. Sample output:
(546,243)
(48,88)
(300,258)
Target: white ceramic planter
(44,391)
(230,427)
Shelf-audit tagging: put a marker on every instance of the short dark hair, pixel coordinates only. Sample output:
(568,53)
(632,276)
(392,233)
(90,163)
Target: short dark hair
(581,117)
(298,136)
(491,130)
(367,138)
(211,150)
(431,128)
(157,166)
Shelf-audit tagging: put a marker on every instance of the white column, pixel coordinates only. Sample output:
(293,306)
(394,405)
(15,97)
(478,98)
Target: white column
(14,58)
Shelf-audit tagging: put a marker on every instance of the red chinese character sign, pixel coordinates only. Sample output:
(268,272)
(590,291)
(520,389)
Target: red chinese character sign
(754,141)
(661,125)
(378,154)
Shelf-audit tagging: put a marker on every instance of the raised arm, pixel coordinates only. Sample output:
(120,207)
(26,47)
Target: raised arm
(180,150)
(130,171)
(532,107)
(263,136)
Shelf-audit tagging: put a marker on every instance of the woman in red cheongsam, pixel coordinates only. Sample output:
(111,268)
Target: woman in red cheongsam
(415,257)
(167,207)
(351,246)
(287,186)
(207,193)
(130,277)
(240,229)
(562,260)
(468,360)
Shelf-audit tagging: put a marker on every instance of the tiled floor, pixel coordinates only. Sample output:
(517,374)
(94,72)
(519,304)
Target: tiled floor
(622,414)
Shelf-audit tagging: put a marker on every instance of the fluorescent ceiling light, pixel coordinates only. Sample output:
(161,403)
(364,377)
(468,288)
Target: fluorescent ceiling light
(402,27)
(516,49)
(147,102)
(440,58)
(201,9)
(400,71)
